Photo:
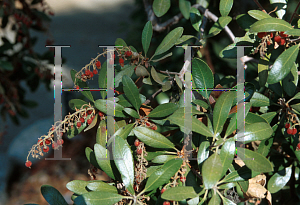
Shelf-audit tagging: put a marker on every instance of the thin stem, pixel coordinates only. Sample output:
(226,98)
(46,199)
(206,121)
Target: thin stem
(295,12)
(153,96)
(260,6)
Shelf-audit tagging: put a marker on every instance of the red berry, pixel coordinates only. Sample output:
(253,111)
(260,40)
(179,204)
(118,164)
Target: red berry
(298,145)
(166,203)
(290,131)
(47,142)
(28,164)
(182,179)
(82,120)
(98,64)
(54,145)
(91,74)
(121,60)
(139,151)
(147,124)
(60,141)
(282,41)
(283,35)
(128,53)
(111,61)
(95,72)
(136,143)
(40,142)
(78,124)
(89,112)
(100,114)
(87,72)
(271,35)
(287,125)
(154,127)
(162,190)
(261,34)
(269,43)
(89,121)
(46,149)
(294,131)
(277,39)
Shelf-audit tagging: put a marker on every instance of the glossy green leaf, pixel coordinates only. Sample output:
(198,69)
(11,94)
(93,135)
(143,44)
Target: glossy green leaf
(252,118)
(124,162)
(283,64)
(152,169)
(227,201)
(165,56)
(78,186)
(219,25)
(152,138)
(281,7)
(160,7)
(259,162)
(163,158)
(124,131)
(52,195)
(227,186)
(90,155)
(123,100)
(93,124)
(279,180)
(185,7)
(120,42)
(103,159)
(179,193)
(101,186)
(245,21)
(101,133)
(203,153)
(76,103)
(82,84)
(102,79)
(201,103)
(156,77)
(221,110)
(132,113)
(225,7)
(263,66)
(195,17)
(290,82)
(98,197)
(242,174)
(254,132)
(163,110)
(257,14)
(211,171)
(103,105)
(131,92)
(202,77)
(127,70)
(227,154)
(296,107)
(184,38)
(141,71)
(270,25)
(169,41)
(147,36)
(166,86)
(163,175)
(259,100)
(215,199)
(269,116)
(293,32)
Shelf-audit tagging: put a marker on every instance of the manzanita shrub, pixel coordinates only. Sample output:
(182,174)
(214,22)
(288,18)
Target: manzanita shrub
(151,164)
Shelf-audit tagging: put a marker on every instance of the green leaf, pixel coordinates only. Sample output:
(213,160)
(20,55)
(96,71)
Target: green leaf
(141,71)
(132,113)
(162,158)
(185,7)
(225,7)
(102,78)
(195,17)
(131,92)
(227,201)
(120,42)
(293,32)
(124,131)
(90,155)
(163,175)
(52,195)
(242,174)
(127,70)
(279,180)
(257,14)
(183,39)
(215,200)
(245,21)
(101,134)
(219,25)
(124,162)
(147,36)
(296,106)
(163,110)
(78,186)
(103,159)
(165,56)
(259,100)
(269,116)
(156,77)
(202,76)
(160,7)
(203,153)
(169,41)
(124,101)
(283,64)
(101,186)
(82,84)
(221,111)
(201,103)
(227,154)
(179,193)
(76,103)
(211,171)
(197,126)
(98,197)
(103,105)
(93,123)
(289,83)
(259,162)
(254,132)
(263,66)
(152,138)
(270,25)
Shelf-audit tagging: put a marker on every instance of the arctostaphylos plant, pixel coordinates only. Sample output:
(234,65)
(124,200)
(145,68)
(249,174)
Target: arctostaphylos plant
(146,154)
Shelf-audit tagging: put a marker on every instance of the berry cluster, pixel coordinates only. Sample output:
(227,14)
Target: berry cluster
(290,130)
(121,56)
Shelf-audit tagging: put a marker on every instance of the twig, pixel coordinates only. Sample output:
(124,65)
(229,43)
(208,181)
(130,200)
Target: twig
(295,12)
(260,6)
